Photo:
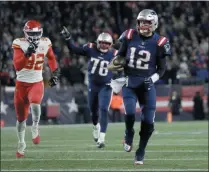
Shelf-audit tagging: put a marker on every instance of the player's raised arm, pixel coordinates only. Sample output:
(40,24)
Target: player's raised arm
(53,66)
(123,46)
(77,50)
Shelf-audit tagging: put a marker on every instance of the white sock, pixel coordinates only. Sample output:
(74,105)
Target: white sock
(102,137)
(21,130)
(97,126)
(36,113)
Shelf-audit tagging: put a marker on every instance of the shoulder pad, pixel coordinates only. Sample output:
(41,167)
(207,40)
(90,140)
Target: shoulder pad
(126,34)
(129,33)
(46,41)
(161,41)
(122,36)
(17,43)
(21,43)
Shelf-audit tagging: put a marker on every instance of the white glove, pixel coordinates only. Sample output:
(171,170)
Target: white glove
(117,84)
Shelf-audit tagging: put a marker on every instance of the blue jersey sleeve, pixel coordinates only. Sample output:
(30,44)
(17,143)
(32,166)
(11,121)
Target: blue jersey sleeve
(122,36)
(82,50)
(123,47)
(167,49)
(164,50)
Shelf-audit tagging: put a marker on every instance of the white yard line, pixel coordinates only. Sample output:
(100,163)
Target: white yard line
(162,144)
(93,145)
(108,151)
(109,169)
(161,140)
(96,159)
(181,132)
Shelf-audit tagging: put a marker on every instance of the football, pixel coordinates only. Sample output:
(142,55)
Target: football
(119,60)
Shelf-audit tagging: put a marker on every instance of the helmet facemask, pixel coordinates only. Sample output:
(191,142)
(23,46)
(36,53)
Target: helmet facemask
(144,27)
(104,46)
(33,36)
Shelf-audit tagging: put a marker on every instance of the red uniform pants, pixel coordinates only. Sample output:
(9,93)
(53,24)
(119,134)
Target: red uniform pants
(25,94)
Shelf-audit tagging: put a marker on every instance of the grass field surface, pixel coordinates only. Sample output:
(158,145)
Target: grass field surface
(179,146)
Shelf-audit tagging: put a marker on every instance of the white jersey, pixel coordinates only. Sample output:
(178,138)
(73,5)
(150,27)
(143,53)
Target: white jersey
(32,72)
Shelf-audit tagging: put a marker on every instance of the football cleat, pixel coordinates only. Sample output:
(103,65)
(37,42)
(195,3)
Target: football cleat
(20,150)
(128,141)
(35,135)
(100,144)
(138,162)
(139,157)
(36,140)
(96,132)
(19,155)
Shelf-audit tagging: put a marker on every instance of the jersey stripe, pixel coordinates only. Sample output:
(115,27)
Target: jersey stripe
(115,52)
(129,33)
(161,41)
(90,45)
(15,46)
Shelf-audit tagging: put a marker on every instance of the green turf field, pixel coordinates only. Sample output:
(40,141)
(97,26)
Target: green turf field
(181,146)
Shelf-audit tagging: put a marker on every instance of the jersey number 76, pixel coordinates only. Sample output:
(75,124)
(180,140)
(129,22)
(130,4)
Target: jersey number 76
(103,71)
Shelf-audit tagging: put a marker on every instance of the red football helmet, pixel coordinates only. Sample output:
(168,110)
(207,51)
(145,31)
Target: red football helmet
(33,31)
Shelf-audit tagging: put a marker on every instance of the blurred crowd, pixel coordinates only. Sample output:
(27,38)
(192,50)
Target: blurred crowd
(184,23)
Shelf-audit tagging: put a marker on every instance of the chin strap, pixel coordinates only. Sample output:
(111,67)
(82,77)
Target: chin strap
(103,51)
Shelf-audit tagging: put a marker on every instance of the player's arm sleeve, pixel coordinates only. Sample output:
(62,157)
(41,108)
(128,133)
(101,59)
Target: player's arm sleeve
(164,51)
(19,59)
(123,46)
(75,49)
(52,59)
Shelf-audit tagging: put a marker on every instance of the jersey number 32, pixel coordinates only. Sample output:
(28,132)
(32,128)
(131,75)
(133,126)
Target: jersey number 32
(35,62)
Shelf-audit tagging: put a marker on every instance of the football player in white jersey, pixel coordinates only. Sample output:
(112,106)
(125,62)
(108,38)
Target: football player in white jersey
(28,59)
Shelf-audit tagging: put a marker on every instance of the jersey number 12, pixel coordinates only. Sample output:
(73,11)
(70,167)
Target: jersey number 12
(141,60)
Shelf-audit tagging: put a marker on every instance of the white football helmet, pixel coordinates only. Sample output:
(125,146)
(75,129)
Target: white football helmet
(104,42)
(147,21)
